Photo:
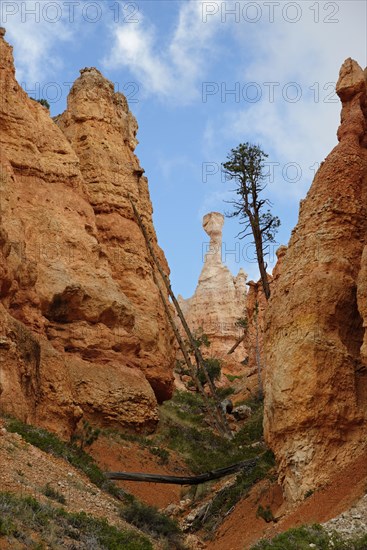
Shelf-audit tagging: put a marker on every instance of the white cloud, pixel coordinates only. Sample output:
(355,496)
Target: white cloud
(308,54)
(36,38)
(172,70)
(192,42)
(134,48)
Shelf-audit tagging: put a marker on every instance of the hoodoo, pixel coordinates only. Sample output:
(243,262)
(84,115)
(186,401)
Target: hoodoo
(83,331)
(219,299)
(316,382)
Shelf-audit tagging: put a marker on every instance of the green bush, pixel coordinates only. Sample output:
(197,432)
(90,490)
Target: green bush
(50,492)
(265,513)
(85,436)
(233,377)
(149,520)
(213,368)
(44,102)
(7,526)
(21,517)
(163,454)
(222,393)
(302,537)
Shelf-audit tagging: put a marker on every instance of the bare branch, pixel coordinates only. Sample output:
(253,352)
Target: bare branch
(245,164)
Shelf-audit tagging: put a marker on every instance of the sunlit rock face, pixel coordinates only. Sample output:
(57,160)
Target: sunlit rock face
(102,132)
(83,332)
(219,300)
(316,383)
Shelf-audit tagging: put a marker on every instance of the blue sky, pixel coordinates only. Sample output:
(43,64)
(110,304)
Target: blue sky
(201,77)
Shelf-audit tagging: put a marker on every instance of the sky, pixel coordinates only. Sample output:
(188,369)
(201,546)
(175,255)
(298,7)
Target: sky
(202,77)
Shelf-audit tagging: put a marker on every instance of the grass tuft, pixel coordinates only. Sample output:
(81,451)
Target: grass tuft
(149,520)
(312,536)
(24,518)
(50,443)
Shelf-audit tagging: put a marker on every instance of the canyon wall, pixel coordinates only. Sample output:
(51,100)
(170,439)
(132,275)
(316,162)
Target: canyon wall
(316,341)
(83,333)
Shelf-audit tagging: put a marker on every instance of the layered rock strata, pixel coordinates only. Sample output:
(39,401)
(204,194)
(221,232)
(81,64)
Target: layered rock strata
(83,332)
(316,383)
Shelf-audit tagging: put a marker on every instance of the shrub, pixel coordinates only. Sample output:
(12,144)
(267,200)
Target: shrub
(44,102)
(163,454)
(22,517)
(151,521)
(85,436)
(213,368)
(265,513)
(52,493)
(303,537)
(222,393)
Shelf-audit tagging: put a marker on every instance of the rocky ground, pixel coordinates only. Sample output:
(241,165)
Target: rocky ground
(26,470)
(343,499)
(351,523)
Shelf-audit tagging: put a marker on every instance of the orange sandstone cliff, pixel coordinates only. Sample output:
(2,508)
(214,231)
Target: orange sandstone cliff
(316,338)
(82,329)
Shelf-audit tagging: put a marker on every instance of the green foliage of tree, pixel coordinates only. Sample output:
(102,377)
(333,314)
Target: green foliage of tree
(85,436)
(242,322)
(201,339)
(246,167)
(44,102)
(213,367)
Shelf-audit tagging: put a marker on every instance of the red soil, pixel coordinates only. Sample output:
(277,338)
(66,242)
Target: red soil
(125,456)
(242,529)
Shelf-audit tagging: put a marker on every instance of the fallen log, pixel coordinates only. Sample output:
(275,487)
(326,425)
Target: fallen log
(246,466)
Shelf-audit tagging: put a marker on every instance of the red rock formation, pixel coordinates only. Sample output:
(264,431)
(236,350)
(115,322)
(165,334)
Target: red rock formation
(102,132)
(316,390)
(219,301)
(82,328)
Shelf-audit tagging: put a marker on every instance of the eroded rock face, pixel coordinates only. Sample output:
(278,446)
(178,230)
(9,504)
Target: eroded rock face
(219,300)
(316,383)
(75,282)
(102,132)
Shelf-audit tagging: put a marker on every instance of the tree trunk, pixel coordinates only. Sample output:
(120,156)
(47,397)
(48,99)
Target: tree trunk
(245,466)
(235,346)
(199,386)
(261,262)
(258,356)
